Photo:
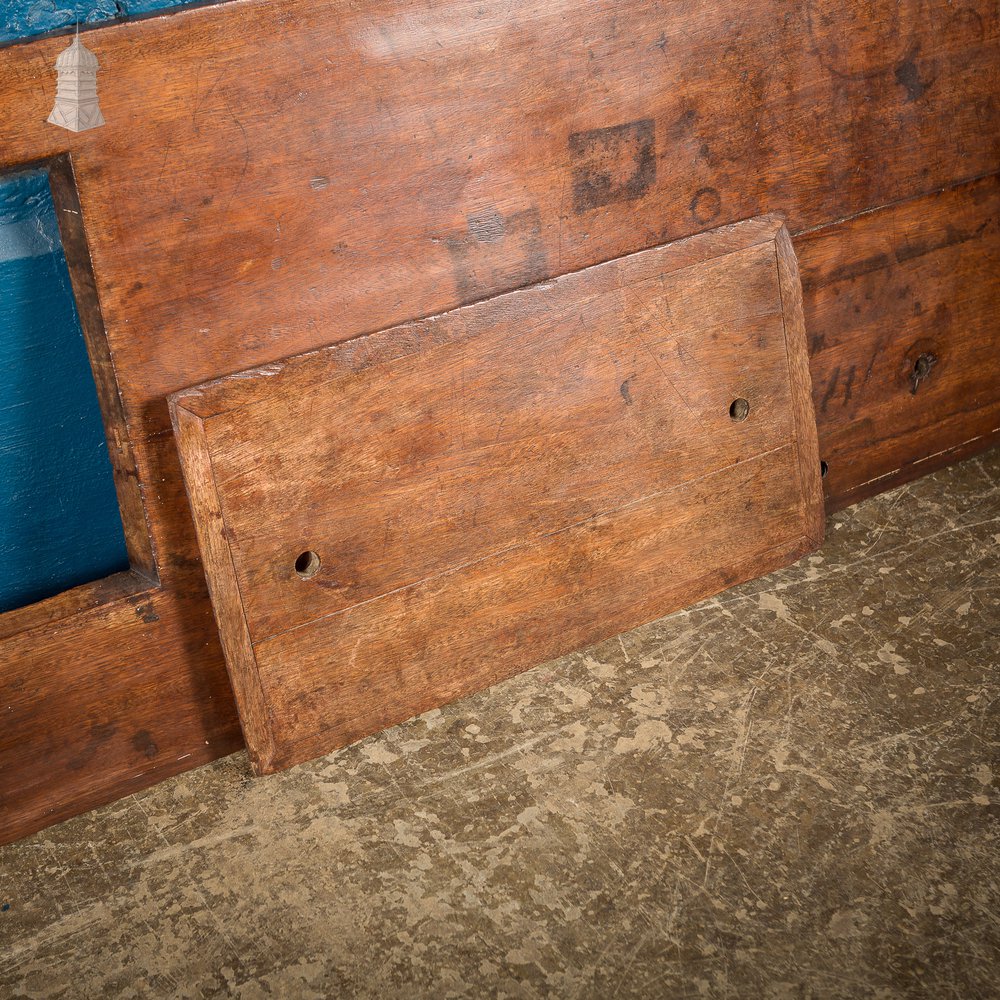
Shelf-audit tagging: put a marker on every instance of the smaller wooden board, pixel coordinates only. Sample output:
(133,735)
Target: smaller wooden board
(398,520)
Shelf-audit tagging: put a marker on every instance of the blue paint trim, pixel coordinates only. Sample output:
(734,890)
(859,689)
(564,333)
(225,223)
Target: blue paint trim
(60,525)
(30,18)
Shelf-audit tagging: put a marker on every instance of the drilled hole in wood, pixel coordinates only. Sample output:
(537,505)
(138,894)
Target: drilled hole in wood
(921,370)
(739,409)
(823,469)
(307,564)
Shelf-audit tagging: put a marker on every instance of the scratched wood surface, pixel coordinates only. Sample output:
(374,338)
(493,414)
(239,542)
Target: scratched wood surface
(459,498)
(273,178)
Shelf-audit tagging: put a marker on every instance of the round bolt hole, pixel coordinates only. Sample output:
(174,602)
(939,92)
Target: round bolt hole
(307,565)
(739,410)
(823,469)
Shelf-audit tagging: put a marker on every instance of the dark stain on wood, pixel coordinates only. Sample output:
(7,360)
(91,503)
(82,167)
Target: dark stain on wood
(908,77)
(98,734)
(143,743)
(951,237)
(845,272)
(612,164)
(147,613)
(498,251)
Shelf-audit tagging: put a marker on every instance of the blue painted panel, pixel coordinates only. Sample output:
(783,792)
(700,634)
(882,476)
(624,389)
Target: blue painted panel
(59,520)
(26,18)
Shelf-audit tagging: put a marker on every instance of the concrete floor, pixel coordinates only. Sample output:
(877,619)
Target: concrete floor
(785,792)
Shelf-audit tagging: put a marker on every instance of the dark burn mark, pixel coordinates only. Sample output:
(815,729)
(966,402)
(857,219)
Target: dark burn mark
(952,237)
(846,272)
(831,388)
(144,743)
(686,121)
(100,733)
(497,253)
(706,205)
(613,164)
(146,613)
(849,385)
(908,77)
(626,391)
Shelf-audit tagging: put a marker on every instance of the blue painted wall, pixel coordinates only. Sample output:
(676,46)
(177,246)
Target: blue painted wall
(59,519)
(26,18)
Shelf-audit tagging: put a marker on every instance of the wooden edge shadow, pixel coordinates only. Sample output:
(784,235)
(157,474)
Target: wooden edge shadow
(142,575)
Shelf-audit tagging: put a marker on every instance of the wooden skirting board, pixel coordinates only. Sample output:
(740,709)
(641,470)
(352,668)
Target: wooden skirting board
(274,178)
(453,500)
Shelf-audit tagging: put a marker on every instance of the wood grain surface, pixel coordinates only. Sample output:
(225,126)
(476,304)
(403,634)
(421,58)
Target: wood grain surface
(918,287)
(273,178)
(401,519)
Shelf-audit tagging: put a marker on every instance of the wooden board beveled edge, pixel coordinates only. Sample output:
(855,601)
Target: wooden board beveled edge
(800,384)
(223,587)
(190,414)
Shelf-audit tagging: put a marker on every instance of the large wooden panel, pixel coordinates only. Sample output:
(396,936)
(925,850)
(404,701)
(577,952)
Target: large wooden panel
(390,523)
(275,177)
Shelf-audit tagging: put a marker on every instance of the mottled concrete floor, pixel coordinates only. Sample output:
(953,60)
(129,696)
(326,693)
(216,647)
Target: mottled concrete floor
(787,791)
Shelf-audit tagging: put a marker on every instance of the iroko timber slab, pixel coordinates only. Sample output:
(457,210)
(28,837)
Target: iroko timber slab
(276,176)
(392,522)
